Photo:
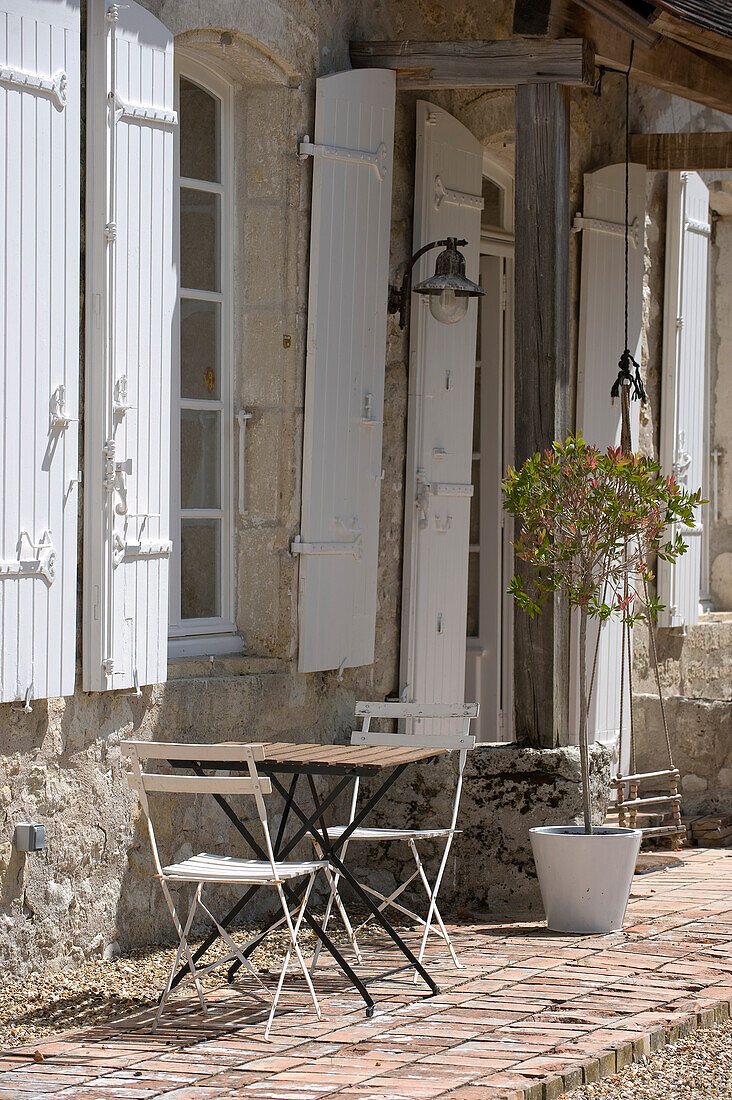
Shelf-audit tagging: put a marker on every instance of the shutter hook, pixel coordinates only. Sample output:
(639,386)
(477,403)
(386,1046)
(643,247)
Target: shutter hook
(26,707)
(341,666)
(137,691)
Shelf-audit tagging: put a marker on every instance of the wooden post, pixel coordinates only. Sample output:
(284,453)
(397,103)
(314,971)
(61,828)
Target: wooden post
(541,648)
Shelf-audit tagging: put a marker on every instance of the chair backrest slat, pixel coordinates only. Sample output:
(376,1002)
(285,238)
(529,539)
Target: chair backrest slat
(235,751)
(419,740)
(199,784)
(416,710)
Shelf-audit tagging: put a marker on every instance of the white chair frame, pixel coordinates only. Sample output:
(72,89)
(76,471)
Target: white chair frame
(205,869)
(462,742)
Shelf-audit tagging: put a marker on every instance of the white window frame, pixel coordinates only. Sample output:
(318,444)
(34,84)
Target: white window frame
(498,242)
(207,635)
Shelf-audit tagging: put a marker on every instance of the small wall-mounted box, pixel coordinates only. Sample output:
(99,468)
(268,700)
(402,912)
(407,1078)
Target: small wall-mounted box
(30,838)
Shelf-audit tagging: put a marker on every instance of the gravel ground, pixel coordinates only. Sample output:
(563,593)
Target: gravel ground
(100,990)
(698,1067)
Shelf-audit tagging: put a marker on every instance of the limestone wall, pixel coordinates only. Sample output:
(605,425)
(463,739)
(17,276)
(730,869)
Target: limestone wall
(61,764)
(696,675)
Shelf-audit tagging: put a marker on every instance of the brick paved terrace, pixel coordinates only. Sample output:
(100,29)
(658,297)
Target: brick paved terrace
(531,1013)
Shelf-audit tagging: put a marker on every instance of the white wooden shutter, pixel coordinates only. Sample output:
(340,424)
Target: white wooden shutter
(447,202)
(39,345)
(344,381)
(131,290)
(601,339)
(683,379)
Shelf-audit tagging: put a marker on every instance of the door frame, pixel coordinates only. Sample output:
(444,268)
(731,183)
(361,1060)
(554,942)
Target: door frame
(499,242)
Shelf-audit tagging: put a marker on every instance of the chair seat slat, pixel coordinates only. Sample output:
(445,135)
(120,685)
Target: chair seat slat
(197,784)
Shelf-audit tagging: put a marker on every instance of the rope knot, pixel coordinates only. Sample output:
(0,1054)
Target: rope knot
(628,377)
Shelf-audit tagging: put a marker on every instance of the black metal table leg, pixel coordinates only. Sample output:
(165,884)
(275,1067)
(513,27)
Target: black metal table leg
(330,849)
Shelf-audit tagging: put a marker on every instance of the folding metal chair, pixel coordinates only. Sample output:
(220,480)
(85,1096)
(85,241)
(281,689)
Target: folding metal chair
(205,869)
(415,714)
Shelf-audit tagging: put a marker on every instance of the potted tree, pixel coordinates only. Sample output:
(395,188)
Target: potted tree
(589,522)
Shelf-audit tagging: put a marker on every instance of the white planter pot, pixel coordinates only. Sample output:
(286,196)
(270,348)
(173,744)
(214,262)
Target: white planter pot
(585,880)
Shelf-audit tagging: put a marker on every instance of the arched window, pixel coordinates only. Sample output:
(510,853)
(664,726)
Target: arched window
(201,596)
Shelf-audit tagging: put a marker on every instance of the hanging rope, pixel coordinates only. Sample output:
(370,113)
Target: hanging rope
(629,385)
(629,372)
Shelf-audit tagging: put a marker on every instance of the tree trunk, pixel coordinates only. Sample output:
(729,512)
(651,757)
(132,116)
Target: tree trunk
(584,750)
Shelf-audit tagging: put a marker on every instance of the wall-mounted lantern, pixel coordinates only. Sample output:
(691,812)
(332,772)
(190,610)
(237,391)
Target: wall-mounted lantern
(448,289)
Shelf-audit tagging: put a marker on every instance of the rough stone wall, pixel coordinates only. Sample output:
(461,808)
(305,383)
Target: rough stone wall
(507,791)
(696,677)
(62,764)
(720,550)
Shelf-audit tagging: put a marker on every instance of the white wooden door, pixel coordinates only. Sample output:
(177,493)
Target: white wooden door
(683,382)
(447,202)
(600,344)
(489,664)
(344,379)
(39,345)
(131,294)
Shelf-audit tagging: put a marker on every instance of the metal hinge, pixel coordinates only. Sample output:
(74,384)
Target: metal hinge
(693,225)
(119,109)
(377,160)
(355,547)
(55,85)
(504,291)
(456,198)
(42,564)
(615,229)
(143,548)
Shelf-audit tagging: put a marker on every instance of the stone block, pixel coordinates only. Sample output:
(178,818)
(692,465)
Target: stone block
(693,784)
(607,1063)
(552,1088)
(591,1072)
(572,1077)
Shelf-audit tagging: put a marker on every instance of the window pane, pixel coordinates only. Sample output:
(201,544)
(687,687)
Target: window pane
(200,459)
(200,568)
(199,240)
(473,595)
(492,213)
(199,349)
(199,133)
(476,408)
(475,504)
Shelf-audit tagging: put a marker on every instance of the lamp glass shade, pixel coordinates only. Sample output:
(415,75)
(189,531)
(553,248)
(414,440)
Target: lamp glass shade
(447,307)
(449,289)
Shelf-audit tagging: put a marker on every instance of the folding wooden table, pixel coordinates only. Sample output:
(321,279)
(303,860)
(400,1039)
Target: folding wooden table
(344,763)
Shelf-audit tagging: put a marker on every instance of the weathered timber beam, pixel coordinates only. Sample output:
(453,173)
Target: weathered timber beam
(704,151)
(624,19)
(479,64)
(669,66)
(541,645)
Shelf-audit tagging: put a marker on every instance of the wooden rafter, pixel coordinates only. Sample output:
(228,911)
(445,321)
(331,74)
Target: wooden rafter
(698,38)
(479,63)
(704,151)
(623,19)
(669,66)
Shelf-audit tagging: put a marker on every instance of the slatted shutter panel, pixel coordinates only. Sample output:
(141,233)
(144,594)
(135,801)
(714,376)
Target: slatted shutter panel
(683,379)
(447,202)
(131,291)
(344,381)
(39,345)
(601,337)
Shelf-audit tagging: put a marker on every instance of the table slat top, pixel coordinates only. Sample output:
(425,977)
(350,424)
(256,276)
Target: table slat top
(374,756)
(290,754)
